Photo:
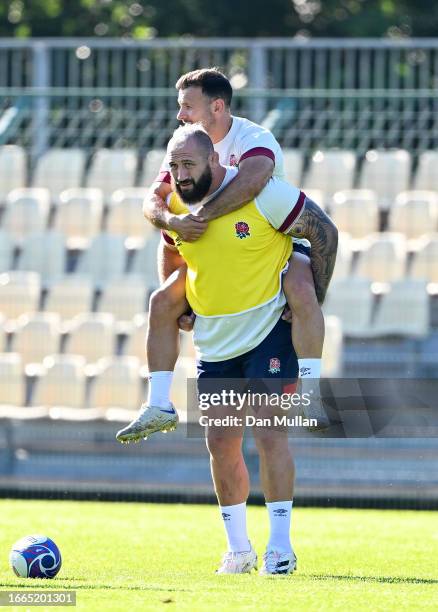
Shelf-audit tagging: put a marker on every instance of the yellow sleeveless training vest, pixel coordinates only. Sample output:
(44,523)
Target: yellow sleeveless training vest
(236,264)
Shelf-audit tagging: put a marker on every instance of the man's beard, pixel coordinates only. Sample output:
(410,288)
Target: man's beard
(199,189)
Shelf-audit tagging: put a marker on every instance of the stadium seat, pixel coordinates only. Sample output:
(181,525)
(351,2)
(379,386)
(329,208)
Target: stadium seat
(317,195)
(125,214)
(3,340)
(6,252)
(355,211)
(19,293)
(63,382)
(351,300)
(79,215)
(426,177)
(27,211)
(124,298)
(36,336)
(344,257)
(117,384)
(425,261)
(59,169)
(91,335)
(144,261)
(112,169)
(44,253)
(104,260)
(331,171)
(414,213)
(12,382)
(12,169)
(151,166)
(293,166)
(387,173)
(135,345)
(332,355)
(70,296)
(403,311)
(383,258)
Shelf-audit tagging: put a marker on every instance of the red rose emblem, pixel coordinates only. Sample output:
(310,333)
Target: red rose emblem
(274,365)
(242,229)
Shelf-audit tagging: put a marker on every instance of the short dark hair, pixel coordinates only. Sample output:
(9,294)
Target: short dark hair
(212,82)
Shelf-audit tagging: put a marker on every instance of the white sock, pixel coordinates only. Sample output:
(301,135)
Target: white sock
(309,368)
(159,389)
(279,519)
(234,518)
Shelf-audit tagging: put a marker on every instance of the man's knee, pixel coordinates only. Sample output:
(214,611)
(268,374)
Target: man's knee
(222,446)
(272,443)
(161,301)
(165,301)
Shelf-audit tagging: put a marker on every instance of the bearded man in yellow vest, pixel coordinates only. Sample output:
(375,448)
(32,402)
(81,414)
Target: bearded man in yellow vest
(233,285)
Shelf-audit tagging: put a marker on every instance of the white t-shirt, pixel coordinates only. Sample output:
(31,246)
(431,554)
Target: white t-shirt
(219,338)
(247,139)
(244,139)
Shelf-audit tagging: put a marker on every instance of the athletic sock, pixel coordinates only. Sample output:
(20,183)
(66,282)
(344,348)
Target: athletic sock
(234,518)
(159,389)
(309,368)
(279,519)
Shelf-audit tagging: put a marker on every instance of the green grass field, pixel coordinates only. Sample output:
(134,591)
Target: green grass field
(120,556)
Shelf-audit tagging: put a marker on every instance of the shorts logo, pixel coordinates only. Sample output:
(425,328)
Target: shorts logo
(274,365)
(242,229)
(233,160)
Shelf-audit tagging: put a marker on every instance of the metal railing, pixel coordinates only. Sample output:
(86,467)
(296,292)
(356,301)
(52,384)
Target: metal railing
(353,94)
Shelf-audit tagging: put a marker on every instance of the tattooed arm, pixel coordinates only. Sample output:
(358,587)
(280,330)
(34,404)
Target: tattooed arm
(322,234)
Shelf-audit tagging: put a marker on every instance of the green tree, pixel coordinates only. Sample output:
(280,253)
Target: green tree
(247,18)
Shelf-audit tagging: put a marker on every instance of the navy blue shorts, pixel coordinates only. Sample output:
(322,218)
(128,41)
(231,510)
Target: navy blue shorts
(301,248)
(274,357)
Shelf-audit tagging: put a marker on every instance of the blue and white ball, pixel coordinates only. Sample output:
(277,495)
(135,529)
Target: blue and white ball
(35,556)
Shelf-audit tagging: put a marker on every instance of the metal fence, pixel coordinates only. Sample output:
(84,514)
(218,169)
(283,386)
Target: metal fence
(351,94)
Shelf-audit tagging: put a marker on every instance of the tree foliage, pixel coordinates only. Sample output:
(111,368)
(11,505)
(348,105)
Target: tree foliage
(248,18)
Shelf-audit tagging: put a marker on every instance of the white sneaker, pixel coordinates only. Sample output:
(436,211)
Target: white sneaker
(150,420)
(238,562)
(315,410)
(275,562)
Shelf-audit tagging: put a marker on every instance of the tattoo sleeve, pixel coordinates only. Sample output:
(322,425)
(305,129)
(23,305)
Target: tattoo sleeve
(317,227)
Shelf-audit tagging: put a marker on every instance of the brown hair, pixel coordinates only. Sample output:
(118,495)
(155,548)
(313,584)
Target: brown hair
(212,82)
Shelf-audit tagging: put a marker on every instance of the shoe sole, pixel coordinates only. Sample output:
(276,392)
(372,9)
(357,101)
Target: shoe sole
(248,571)
(288,573)
(171,425)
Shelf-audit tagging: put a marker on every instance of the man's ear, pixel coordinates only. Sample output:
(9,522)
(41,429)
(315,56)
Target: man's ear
(218,106)
(214,158)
